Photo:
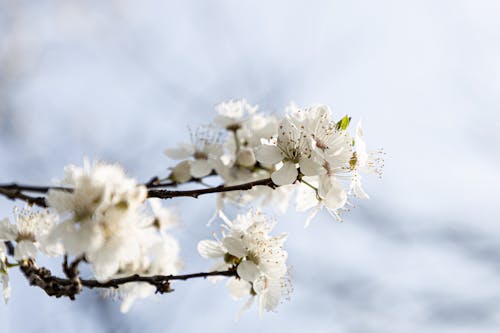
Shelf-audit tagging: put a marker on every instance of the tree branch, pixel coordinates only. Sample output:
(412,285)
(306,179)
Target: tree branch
(14,194)
(59,287)
(14,191)
(166,194)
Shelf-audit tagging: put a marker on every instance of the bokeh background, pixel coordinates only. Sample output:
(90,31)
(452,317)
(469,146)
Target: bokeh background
(122,80)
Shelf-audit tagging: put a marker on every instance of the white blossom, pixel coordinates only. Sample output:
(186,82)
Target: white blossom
(4,277)
(159,256)
(103,216)
(30,232)
(363,161)
(232,114)
(259,259)
(164,218)
(204,152)
(293,146)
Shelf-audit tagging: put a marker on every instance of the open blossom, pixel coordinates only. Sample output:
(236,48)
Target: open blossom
(259,259)
(292,147)
(328,193)
(30,233)
(103,216)
(159,256)
(4,277)
(232,114)
(164,218)
(203,152)
(363,161)
(310,140)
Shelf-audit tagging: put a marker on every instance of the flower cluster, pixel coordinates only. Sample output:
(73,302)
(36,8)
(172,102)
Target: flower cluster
(259,259)
(306,151)
(99,216)
(31,232)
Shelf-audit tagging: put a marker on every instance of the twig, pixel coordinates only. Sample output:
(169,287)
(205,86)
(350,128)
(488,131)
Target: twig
(14,194)
(70,287)
(15,191)
(166,194)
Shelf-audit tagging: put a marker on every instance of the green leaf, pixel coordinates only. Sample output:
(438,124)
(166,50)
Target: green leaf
(343,123)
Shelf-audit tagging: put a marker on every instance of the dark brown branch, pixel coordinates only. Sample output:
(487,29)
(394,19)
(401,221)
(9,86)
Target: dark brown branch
(14,191)
(32,188)
(14,194)
(155,280)
(59,287)
(166,194)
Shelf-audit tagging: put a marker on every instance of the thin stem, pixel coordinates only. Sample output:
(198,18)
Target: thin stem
(14,191)
(313,187)
(153,280)
(166,194)
(71,286)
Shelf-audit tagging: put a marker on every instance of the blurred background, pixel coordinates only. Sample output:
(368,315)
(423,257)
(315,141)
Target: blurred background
(122,80)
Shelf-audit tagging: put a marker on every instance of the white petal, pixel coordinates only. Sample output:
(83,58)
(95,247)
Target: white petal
(287,174)
(309,167)
(312,214)
(357,189)
(238,288)
(25,249)
(200,168)
(248,271)
(268,154)
(234,246)
(6,287)
(105,265)
(8,231)
(248,304)
(336,197)
(261,284)
(181,173)
(211,249)
(272,297)
(305,198)
(180,153)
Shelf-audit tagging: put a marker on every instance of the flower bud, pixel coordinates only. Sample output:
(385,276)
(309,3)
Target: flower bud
(181,173)
(246,157)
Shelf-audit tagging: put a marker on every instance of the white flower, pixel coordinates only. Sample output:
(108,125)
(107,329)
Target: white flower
(362,161)
(103,216)
(329,193)
(293,146)
(160,256)
(30,233)
(231,114)
(205,150)
(164,218)
(4,277)
(259,258)
(181,173)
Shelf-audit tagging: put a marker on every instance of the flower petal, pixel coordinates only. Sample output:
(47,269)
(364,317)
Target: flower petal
(234,246)
(238,288)
(287,174)
(8,231)
(357,188)
(6,287)
(211,249)
(268,154)
(308,167)
(248,271)
(179,153)
(25,249)
(200,168)
(336,197)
